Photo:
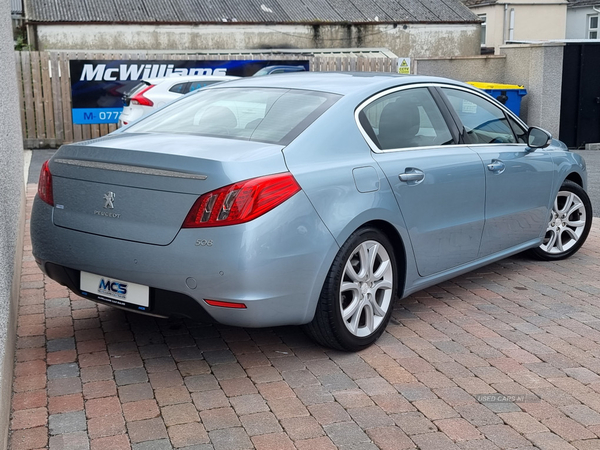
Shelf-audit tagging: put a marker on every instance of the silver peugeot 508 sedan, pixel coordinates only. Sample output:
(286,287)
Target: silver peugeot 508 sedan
(311,199)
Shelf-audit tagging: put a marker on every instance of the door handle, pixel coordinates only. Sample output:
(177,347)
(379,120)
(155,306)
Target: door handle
(496,166)
(412,175)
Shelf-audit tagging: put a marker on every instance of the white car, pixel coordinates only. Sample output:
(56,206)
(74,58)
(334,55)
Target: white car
(150,94)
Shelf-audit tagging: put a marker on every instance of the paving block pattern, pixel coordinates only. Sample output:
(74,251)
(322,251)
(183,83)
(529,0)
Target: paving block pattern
(505,357)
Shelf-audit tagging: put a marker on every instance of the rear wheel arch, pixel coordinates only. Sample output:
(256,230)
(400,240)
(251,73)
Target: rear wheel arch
(394,237)
(380,225)
(358,295)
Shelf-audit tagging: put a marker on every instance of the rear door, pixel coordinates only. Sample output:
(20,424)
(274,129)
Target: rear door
(518,180)
(439,185)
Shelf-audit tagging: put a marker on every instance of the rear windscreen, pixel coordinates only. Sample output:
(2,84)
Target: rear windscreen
(258,114)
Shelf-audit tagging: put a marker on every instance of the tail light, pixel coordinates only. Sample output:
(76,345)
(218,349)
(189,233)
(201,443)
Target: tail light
(139,99)
(45,185)
(241,202)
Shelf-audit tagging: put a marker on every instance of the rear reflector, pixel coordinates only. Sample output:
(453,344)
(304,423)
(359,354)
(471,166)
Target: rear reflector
(225,304)
(45,185)
(241,202)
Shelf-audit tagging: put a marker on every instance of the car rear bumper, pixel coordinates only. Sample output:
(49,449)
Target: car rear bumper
(130,114)
(274,265)
(164,303)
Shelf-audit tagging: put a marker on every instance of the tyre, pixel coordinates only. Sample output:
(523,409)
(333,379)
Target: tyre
(357,298)
(569,224)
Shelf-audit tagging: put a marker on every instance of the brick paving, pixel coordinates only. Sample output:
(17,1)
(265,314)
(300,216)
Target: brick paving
(505,357)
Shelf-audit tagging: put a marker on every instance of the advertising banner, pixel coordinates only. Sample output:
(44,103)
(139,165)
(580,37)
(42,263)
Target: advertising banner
(98,86)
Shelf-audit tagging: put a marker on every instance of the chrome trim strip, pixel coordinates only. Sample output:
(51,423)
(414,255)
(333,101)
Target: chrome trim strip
(442,147)
(474,90)
(508,144)
(130,169)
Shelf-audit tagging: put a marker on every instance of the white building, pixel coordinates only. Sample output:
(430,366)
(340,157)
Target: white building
(582,19)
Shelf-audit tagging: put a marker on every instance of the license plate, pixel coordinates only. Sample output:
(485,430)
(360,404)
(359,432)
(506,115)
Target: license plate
(115,291)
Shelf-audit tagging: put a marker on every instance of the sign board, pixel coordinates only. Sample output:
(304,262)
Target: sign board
(404,66)
(98,86)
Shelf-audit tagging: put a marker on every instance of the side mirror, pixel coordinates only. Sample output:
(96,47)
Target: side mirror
(538,138)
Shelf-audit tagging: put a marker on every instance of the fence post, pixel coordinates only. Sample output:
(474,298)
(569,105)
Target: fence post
(57,105)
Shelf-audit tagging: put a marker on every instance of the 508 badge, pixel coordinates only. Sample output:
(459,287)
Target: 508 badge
(204,243)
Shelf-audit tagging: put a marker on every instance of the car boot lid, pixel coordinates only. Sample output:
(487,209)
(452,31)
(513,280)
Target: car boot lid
(114,191)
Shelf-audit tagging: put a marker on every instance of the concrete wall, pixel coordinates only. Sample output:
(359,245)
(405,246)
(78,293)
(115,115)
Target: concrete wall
(537,67)
(477,68)
(577,22)
(12,200)
(406,41)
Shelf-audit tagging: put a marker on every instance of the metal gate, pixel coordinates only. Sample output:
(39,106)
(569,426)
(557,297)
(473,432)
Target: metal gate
(580,98)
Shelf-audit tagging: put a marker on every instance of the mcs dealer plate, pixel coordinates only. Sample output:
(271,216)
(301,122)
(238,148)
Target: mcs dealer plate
(115,291)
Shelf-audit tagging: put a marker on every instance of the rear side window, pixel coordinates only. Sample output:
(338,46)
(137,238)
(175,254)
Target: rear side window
(484,122)
(404,119)
(257,114)
(179,88)
(195,85)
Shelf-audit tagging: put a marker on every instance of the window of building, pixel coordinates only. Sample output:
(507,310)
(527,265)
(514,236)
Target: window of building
(483,17)
(592,26)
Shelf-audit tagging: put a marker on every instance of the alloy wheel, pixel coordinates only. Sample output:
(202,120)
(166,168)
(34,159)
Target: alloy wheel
(566,225)
(366,288)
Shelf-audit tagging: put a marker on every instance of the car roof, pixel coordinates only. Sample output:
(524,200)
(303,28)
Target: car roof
(284,66)
(343,83)
(186,78)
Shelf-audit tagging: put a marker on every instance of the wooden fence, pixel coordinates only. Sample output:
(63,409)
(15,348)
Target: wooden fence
(45,88)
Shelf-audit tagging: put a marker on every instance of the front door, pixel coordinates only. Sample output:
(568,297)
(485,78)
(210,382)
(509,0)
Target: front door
(518,181)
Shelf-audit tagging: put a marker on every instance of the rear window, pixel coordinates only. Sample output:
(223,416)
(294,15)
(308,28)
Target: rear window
(200,84)
(179,88)
(258,114)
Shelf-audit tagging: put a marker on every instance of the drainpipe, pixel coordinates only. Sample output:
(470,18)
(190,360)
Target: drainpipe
(32,37)
(504,24)
(595,8)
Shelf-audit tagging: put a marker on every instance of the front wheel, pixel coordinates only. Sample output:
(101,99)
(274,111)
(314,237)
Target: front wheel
(569,224)
(357,298)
